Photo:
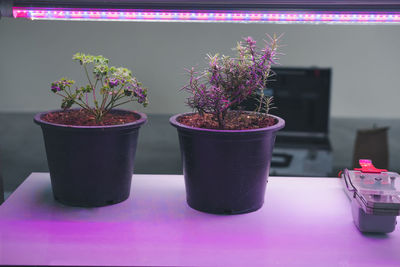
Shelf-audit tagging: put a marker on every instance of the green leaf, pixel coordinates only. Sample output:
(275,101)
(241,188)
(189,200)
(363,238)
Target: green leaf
(67,103)
(103,90)
(88,89)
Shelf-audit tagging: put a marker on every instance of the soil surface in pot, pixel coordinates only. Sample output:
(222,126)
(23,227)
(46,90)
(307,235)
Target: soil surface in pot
(244,121)
(81,117)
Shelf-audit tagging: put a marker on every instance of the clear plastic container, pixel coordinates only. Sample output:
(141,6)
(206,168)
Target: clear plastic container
(375,199)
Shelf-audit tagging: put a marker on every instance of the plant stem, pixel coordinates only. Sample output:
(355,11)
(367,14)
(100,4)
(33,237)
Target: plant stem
(119,95)
(104,97)
(103,101)
(119,104)
(91,85)
(261,100)
(109,103)
(86,108)
(60,95)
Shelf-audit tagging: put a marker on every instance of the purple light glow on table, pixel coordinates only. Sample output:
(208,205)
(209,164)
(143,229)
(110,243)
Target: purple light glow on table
(304,222)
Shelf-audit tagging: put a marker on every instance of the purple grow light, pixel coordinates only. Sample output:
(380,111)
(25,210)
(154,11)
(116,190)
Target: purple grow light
(250,11)
(206,16)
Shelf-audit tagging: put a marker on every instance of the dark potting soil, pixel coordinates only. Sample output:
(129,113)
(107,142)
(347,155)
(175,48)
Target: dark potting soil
(81,117)
(233,121)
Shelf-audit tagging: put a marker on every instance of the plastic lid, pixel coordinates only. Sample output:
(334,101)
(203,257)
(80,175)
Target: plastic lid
(377,191)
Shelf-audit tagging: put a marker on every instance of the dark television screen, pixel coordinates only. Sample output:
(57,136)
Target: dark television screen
(302,98)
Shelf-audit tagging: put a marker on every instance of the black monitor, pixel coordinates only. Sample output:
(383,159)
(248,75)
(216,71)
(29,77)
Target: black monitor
(302,98)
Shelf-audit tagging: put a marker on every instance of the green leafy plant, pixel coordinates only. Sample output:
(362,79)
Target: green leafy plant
(109,87)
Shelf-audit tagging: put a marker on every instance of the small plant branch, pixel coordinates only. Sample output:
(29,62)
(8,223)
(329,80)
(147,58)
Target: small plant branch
(260,105)
(119,104)
(91,85)
(104,101)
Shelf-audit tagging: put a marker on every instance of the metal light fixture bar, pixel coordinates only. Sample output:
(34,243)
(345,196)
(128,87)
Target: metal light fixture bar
(207,16)
(261,5)
(289,11)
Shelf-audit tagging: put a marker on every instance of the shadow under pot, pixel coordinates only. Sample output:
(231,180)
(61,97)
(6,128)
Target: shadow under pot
(226,171)
(91,166)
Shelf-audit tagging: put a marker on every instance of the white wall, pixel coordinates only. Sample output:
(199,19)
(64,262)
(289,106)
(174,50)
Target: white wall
(365,59)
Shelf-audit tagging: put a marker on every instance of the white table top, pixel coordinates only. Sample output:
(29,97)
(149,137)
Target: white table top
(304,222)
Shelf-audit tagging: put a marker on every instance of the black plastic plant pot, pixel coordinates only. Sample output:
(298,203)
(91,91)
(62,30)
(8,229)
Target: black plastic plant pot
(226,171)
(91,166)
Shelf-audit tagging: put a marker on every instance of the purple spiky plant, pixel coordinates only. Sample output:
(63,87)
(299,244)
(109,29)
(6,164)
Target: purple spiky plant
(228,81)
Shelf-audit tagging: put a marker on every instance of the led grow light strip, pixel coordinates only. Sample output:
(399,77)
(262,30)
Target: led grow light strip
(206,16)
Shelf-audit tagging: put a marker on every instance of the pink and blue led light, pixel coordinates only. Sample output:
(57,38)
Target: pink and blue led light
(208,16)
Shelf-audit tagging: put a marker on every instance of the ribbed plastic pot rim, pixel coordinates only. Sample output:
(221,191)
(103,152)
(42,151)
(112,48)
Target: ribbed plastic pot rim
(174,122)
(143,118)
